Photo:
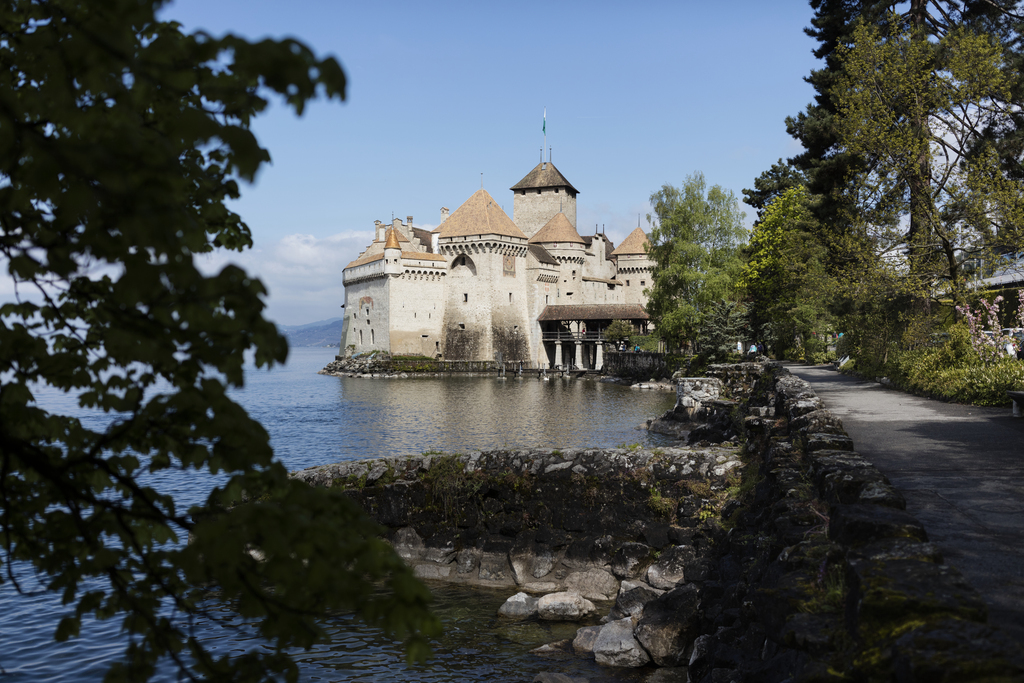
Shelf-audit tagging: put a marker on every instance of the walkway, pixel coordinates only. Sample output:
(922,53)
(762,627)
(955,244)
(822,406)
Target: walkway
(961,469)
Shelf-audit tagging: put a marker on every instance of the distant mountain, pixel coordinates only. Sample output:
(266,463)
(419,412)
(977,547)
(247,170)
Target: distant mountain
(322,333)
(318,323)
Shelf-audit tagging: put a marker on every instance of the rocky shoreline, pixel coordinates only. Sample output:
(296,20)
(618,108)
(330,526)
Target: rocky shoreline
(766,550)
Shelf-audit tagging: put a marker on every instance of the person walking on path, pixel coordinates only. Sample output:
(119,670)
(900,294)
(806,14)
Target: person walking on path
(961,470)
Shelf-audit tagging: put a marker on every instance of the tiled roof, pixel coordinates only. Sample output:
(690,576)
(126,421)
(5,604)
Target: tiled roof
(479,215)
(363,260)
(543,175)
(594,312)
(542,255)
(558,229)
(391,241)
(633,244)
(423,255)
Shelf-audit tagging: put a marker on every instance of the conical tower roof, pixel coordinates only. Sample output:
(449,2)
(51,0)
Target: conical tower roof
(558,229)
(391,241)
(544,174)
(633,244)
(479,215)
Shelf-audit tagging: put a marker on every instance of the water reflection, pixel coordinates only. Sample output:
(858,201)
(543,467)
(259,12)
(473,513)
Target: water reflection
(459,413)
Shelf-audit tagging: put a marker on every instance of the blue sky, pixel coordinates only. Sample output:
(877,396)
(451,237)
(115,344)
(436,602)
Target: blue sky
(637,95)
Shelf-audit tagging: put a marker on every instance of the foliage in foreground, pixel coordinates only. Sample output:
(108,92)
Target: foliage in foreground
(120,141)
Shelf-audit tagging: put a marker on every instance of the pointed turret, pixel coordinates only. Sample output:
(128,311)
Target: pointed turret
(633,245)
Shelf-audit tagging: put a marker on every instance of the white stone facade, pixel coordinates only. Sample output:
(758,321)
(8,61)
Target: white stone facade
(476,287)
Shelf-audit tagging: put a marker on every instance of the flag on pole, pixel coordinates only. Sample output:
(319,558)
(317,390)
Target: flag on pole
(544,128)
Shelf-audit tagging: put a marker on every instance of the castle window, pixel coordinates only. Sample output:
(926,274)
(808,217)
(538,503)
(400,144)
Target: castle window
(546,298)
(643,284)
(627,283)
(538,191)
(465,297)
(462,326)
(556,190)
(371,336)
(360,337)
(510,297)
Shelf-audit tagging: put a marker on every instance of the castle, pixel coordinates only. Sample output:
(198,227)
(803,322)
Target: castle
(482,286)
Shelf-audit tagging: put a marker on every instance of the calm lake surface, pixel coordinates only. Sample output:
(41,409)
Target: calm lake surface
(315,419)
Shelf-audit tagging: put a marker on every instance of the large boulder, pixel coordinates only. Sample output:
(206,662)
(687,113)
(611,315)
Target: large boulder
(583,643)
(631,600)
(564,606)
(593,584)
(669,625)
(627,562)
(616,646)
(519,606)
(670,569)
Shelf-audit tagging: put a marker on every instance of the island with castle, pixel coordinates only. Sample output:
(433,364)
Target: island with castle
(482,286)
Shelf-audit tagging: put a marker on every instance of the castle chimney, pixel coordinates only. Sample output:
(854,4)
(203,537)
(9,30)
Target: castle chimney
(444,213)
(408,219)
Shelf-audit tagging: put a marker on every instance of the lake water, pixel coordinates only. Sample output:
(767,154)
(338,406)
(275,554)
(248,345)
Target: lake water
(315,419)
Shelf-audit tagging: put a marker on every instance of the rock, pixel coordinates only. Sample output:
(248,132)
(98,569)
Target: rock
(467,560)
(408,544)
(669,570)
(494,567)
(669,624)
(560,649)
(543,563)
(593,584)
(857,524)
(630,602)
(445,555)
(564,606)
(627,560)
(616,646)
(583,644)
(431,571)
(519,606)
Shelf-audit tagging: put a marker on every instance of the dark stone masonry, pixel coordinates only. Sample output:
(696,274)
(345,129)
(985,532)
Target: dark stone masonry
(765,550)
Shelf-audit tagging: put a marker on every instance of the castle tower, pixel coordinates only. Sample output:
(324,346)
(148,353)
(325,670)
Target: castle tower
(633,266)
(485,314)
(540,196)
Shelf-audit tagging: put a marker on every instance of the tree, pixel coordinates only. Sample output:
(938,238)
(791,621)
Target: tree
(784,275)
(619,329)
(695,239)
(121,138)
(933,191)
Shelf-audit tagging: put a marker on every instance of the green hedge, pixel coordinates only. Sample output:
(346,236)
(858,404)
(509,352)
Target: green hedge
(953,371)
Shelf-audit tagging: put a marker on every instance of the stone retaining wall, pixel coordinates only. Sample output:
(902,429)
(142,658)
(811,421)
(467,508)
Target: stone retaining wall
(638,366)
(542,520)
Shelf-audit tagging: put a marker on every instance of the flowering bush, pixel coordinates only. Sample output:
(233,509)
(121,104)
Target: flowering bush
(990,347)
(957,372)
